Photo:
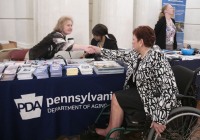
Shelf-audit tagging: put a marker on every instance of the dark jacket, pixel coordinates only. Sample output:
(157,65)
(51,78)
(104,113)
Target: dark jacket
(48,46)
(160,31)
(110,43)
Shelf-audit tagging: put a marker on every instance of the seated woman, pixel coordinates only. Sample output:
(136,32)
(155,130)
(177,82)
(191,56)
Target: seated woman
(150,85)
(56,41)
(102,39)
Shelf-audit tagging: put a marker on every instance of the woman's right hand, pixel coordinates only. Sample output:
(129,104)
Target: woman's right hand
(92,49)
(89,50)
(95,49)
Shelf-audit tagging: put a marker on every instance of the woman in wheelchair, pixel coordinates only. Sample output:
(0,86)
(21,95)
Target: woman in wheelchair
(150,85)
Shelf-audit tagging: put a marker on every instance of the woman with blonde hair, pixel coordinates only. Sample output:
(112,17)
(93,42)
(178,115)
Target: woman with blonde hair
(165,29)
(56,41)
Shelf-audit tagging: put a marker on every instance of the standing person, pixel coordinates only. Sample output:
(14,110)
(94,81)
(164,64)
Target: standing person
(102,39)
(150,85)
(165,29)
(56,41)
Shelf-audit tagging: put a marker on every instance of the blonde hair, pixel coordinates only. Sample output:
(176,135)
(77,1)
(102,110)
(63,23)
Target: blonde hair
(61,22)
(162,14)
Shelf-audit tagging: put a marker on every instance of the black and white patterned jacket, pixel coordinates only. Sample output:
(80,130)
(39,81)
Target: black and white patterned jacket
(155,81)
(49,45)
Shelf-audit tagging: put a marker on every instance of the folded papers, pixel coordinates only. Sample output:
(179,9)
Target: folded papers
(107,67)
(41,72)
(86,69)
(2,67)
(71,70)
(25,73)
(56,70)
(9,73)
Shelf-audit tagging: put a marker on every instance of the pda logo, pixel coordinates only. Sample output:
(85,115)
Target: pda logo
(29,106)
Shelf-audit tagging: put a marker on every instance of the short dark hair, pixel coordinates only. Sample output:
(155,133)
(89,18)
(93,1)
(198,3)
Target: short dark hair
(100,30)
(146,33)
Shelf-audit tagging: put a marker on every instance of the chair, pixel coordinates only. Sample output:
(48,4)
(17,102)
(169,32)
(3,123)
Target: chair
(18,55)
(181,120)
(10,51)
(185,80)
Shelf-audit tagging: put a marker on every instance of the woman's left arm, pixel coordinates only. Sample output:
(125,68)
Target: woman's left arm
(167,89)
(86,48)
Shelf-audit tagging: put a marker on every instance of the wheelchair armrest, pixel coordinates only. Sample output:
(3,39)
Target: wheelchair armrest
(181,96)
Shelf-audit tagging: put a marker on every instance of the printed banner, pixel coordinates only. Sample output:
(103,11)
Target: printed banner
(179,16)
(65,104)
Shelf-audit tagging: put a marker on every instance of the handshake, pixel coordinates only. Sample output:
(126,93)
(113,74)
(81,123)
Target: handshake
(92,49)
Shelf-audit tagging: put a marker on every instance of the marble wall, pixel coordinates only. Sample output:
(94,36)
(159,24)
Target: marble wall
(143,12)
(28,21)
(16,21)
(192,23)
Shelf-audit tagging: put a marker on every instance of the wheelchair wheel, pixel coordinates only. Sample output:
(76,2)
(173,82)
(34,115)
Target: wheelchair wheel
(180,125)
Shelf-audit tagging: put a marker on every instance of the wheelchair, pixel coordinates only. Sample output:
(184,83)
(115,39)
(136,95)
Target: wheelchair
(181,123)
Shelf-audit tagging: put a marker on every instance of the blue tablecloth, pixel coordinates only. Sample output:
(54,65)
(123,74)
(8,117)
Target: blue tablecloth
(46,108)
